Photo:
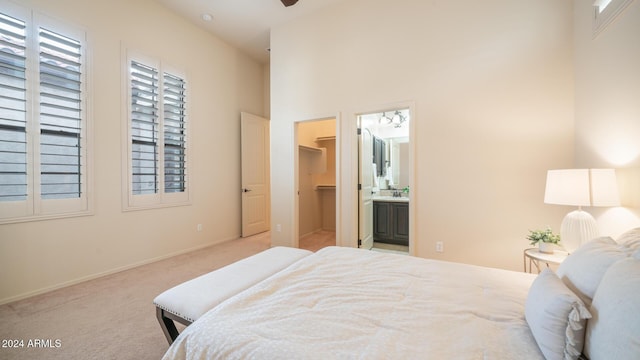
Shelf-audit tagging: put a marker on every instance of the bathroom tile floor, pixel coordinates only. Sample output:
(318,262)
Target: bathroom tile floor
(391,248)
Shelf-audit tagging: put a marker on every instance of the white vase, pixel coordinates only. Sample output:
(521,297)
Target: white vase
(545,247)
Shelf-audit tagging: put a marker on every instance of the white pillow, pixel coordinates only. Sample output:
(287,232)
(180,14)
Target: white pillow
(556,317)
(583,269)
(630,239)
(614,330)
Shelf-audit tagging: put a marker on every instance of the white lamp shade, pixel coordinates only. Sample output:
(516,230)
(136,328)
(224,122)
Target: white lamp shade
(582,187)
(604,188)
(567,187)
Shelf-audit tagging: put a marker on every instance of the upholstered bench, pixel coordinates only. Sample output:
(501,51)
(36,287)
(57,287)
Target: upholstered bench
(186,302)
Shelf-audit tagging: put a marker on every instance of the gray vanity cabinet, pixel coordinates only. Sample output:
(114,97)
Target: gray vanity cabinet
(391,222)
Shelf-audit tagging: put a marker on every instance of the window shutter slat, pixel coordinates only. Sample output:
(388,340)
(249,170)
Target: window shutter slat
(13,110)
(144,129)
(175,169)
(60,116)
(158,131)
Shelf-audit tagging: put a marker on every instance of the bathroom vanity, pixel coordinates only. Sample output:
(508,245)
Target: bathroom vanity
(391,220)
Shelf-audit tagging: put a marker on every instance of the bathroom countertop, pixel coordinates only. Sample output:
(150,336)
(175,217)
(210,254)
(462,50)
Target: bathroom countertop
(390,198)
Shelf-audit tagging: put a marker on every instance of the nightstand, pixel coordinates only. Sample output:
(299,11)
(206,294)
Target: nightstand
(535,257)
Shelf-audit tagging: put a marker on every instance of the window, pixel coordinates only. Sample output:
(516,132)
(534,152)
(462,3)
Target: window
(157,136)
(43,118)
(601,5)
(605,11)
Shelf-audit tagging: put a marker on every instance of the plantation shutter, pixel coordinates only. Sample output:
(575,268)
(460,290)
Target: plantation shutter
(174,134)
(43,118)
(144,129)
(60,116)
(13,110)
(157,137)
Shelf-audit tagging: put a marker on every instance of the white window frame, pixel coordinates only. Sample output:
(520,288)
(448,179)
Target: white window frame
(35,208)
(160,199)
(605,12)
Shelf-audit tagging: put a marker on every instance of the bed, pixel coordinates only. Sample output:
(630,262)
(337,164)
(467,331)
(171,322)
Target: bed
(344,303)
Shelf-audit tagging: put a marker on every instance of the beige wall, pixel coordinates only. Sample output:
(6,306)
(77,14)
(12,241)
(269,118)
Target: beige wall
(491,86)
(37,256)
(608,107)
(308,133)
(266,68)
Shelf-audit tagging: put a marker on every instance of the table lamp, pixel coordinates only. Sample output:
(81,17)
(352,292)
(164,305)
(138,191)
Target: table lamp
(580,187)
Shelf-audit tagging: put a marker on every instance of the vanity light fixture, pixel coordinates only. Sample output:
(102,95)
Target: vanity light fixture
(397,119)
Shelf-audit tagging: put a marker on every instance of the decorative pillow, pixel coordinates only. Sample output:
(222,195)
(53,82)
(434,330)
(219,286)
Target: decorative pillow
(556,317)
(583,269)
(614,330)
(630,239)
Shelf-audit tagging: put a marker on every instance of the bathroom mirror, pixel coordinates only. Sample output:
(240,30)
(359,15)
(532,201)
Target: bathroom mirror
(399,157)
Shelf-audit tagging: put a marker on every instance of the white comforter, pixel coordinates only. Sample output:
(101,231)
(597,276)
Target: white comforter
(344,303)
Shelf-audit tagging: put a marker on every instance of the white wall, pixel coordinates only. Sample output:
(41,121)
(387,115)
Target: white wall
(608,107)
(492,86)
(37,256)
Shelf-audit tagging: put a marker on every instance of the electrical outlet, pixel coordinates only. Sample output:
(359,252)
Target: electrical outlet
(199,227)
(278,227)
(439,246)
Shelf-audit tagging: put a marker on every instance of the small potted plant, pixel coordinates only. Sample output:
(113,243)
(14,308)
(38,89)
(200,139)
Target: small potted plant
(545,239)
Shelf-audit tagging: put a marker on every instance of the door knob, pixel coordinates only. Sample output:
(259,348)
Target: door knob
(246,190)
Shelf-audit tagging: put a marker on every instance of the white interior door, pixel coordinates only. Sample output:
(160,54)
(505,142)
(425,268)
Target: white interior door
(255,174)
(365,179)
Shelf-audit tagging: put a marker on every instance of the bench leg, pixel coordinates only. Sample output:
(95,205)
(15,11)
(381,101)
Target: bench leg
(167,325)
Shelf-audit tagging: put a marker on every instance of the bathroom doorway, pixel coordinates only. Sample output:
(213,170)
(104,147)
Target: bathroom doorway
(384,176)
(316,184)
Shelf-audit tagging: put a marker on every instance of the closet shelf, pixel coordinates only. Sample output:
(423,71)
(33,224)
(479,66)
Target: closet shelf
(309,148)
(326,138)
(325,187)
(317,158)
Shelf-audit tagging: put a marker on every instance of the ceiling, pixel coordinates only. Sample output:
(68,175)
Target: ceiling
(245,24)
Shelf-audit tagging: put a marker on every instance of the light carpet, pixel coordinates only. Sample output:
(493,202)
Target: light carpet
(112,317)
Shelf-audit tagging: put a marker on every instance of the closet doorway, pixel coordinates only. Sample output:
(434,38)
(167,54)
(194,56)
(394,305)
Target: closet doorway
(316,184)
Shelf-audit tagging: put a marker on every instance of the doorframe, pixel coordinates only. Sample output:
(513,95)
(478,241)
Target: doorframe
(347,230)
(296,175)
